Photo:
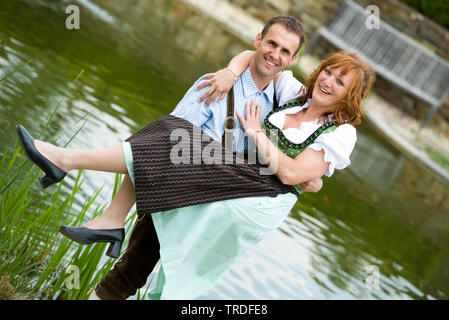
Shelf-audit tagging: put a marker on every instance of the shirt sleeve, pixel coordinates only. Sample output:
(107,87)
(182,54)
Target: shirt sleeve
(337,146)
(287,87)
(190,109)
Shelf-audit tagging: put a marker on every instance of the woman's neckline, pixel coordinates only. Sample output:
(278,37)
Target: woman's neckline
(305,106)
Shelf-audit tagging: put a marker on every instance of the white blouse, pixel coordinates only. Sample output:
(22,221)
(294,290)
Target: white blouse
(337,144)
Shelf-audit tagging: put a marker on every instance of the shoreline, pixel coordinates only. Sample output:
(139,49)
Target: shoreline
(386,119)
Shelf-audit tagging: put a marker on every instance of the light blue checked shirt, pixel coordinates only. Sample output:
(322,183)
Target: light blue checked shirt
(211,118)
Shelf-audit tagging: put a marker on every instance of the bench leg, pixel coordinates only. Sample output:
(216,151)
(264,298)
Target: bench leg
(429,116)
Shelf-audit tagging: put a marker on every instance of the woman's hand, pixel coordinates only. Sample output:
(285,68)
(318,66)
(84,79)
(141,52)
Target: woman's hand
(220,82)
(252,122)
(311,186)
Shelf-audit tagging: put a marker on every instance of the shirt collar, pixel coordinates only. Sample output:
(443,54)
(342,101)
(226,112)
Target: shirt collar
(249,87)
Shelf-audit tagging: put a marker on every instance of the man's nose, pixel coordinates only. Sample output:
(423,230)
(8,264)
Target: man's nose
(276,53)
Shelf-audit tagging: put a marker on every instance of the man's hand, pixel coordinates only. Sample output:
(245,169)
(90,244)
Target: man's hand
(311,186)
(220,83)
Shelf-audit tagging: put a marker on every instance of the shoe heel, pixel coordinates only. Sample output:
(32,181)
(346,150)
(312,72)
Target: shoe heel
(114,249)
(46,181)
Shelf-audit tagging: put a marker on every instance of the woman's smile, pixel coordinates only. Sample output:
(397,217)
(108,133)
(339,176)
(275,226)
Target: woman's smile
(324,90)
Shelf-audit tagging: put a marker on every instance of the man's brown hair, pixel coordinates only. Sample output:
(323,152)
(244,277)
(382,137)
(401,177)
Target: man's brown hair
(291,24)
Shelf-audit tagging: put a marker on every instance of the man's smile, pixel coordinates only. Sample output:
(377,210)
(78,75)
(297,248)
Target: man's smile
(270,62)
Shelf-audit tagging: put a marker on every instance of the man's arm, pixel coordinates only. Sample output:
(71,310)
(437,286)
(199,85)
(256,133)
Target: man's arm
(190,109)
(221,81)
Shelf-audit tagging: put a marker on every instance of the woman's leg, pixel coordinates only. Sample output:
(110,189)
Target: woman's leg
(115,214)
(110,159)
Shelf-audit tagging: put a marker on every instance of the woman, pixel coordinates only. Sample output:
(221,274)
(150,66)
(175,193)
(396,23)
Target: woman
(329,106)
(184,258)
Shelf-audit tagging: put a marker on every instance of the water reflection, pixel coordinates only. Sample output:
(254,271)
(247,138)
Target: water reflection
(385,210)
(358,220)
(375,162)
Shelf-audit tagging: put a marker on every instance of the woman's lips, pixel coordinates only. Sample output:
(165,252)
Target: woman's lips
(323,90)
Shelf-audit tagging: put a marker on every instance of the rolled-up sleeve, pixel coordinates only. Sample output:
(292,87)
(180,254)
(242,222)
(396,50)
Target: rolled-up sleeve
(337,146)
(190,109)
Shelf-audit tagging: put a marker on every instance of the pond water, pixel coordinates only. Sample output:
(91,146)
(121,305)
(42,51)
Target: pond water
(385,217)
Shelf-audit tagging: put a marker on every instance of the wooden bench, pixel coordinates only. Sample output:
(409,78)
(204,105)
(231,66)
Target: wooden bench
(393,55)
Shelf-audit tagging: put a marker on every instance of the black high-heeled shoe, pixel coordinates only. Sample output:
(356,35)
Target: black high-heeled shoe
(84,235)
(53,174)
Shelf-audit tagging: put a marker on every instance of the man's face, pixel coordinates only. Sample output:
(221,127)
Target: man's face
(276,51)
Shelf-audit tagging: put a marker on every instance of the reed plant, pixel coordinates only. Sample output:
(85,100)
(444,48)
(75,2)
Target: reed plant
(36,262)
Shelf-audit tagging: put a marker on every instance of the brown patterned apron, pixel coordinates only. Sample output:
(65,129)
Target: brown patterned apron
(162,185)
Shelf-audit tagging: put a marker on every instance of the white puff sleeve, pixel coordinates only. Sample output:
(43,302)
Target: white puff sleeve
(287,87)
(337,146)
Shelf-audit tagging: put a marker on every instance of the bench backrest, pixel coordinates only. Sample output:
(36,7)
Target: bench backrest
(392,54)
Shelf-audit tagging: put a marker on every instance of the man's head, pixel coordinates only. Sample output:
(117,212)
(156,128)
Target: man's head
(290,24)
(277,46)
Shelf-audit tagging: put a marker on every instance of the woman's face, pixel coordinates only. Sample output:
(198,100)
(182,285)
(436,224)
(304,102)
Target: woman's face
(331,86)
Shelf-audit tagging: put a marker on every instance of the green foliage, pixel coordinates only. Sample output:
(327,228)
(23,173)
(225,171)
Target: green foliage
(437,10)
(33,255)
(438,157)
(35,260)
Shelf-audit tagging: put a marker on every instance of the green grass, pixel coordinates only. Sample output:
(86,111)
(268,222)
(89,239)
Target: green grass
(435,155)
(438,157)
(36,262)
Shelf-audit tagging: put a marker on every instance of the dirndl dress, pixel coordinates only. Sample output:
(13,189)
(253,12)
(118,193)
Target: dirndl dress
(201,242)
(164,180)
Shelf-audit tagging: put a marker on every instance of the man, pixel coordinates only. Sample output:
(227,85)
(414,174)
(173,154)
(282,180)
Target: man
(275,49)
